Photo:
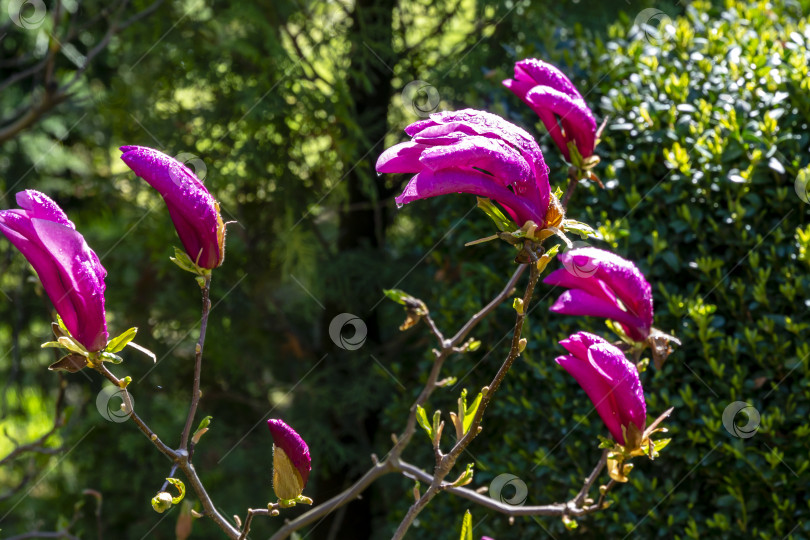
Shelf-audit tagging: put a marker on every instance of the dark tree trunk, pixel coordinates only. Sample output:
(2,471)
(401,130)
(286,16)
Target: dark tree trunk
(361,237)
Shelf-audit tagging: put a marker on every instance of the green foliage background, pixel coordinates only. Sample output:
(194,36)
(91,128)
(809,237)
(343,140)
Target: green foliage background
(708,130)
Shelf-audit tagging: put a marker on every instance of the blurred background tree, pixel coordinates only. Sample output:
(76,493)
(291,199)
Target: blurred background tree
(283,107)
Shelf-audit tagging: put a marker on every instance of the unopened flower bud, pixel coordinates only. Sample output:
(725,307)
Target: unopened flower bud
(162,502)
(291,461)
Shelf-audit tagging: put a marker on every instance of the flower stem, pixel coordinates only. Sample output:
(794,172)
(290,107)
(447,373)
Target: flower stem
(195,393)
(573,181)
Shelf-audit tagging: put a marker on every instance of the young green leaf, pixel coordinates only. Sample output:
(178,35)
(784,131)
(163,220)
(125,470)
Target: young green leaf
(422,419)
(469,412)
(180,488)
(201,429)
(72,345)
(118,343)
(397,295)
(467,527)
(577,227)
(110,357)
(503,223)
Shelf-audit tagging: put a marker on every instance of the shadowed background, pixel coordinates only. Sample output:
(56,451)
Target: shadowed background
(284,108)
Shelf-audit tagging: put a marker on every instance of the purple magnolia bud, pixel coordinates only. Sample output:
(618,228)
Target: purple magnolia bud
(69,270)
(550,94)
(193,210)
(474,152)
(291,461)
(604,285)
(609,379)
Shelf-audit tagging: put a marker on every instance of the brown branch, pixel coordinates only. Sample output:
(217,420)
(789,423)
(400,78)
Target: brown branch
(345,497)
(579,500)
(195,393)
(392,461)
(448,460)
(271,510)
(50,100)
(180,457)
(573,181)
(556,509)
(208,505)
(55,95)
(146,430)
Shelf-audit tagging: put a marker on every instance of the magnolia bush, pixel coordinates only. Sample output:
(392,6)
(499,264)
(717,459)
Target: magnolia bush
(469,152)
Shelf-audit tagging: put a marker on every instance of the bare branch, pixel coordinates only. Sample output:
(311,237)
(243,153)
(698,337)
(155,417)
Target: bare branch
(195,393)
(391,463)
(54,93)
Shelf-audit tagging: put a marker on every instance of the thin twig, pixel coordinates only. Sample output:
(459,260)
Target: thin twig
(208,505)
(271,510)
(481,315)
(146,430)
(573,181)
(179,456)
(391,462)
(449,459)
(344,497)
(195,394)
(555,509)
(579,500)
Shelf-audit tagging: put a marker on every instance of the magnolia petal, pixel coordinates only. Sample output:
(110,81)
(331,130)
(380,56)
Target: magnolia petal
(625,383)
(502,161)
(542,73)
(580,277)
(520,89)
(598,391)
(579,303)
(190,237)
(609,379)
(622,277)
(607,279)
(476,122)
(38,205)
(401,158)
(475,152)
(432,184)
(80,272)
(418,126)
(70,272)
(578,344)
(17,228)
(574,114)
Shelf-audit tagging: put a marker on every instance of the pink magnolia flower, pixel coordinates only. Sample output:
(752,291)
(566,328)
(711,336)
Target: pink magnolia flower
(193,210)
(69,270)
(550,94)
(609,379)
(474,152)
(291,461)
(602,284)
